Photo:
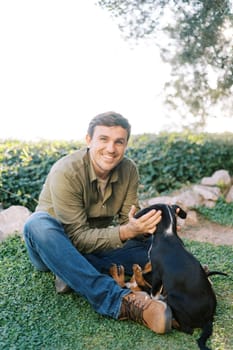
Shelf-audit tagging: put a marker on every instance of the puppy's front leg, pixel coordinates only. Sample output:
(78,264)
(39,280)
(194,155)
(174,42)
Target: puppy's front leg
(156,287)
(139,278)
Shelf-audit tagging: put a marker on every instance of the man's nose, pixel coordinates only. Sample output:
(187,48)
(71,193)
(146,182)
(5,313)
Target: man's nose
(110,147)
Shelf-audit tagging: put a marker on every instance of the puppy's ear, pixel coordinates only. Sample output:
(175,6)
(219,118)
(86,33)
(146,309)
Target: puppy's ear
(144,211)
(182,214)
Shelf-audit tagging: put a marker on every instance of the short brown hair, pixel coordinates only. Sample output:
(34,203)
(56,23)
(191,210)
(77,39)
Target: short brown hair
(109,119)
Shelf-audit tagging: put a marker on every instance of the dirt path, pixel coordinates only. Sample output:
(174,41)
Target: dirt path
(206,231)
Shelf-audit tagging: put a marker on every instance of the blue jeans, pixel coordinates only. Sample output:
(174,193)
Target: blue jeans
(50,249)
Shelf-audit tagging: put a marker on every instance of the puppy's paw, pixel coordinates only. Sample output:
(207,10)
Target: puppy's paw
(138,276)
(137,269)
(118,274)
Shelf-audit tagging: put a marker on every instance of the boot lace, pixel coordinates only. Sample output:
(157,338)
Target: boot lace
(133,309)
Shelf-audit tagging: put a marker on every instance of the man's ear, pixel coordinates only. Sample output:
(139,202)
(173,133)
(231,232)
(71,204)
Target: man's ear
(88,139)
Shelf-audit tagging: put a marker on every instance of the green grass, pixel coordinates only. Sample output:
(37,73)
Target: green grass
(222,213)
(33,316)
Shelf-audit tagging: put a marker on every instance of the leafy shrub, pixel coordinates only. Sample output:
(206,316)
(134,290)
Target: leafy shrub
(24,167)
(168,161)
(165,162)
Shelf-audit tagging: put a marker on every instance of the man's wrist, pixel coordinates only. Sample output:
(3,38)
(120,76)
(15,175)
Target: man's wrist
(123,233)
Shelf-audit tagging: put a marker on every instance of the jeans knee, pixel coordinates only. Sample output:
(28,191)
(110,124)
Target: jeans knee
(35,225)
(30,224)
(42,227)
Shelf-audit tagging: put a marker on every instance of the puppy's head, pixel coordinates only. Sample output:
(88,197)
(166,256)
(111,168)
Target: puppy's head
(168,222)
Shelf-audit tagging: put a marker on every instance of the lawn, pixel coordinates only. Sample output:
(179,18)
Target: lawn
(33,316)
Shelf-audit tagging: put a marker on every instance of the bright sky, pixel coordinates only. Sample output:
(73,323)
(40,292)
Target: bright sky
(64,61)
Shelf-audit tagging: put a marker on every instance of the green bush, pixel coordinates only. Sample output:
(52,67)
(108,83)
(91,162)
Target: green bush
(165,162)
(168,161)
(24,167)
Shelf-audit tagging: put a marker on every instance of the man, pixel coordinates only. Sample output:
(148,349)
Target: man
(84,223)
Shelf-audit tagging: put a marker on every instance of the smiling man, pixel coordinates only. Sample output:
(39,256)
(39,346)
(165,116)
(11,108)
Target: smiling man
(84,223)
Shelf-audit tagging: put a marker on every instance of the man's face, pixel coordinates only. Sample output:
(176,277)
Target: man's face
(107,148)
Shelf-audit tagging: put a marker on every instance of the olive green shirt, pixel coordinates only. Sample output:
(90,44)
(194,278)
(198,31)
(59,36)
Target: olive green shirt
(72,195)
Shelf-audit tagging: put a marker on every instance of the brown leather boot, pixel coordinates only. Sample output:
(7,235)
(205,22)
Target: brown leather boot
(154,314)
(61,287)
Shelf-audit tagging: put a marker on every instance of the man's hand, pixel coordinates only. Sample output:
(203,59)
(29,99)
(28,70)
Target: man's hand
(143,225)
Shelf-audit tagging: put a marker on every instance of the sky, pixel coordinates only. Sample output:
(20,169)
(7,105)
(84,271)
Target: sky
(62,62)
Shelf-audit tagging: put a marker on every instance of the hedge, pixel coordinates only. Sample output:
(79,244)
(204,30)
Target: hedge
(168,161)
(165,162)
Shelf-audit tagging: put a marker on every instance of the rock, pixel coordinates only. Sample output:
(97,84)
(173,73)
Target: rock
(162,199)
(207,192)
(12,220)
(188,199)
(220,178)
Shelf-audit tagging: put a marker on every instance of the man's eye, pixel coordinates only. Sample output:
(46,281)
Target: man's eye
(103,139)
(120,142)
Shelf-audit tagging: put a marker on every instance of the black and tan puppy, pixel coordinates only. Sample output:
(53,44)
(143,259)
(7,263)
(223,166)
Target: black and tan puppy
(186,286)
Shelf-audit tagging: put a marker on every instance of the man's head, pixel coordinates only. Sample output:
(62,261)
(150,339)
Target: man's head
(109,119)
(107,139)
